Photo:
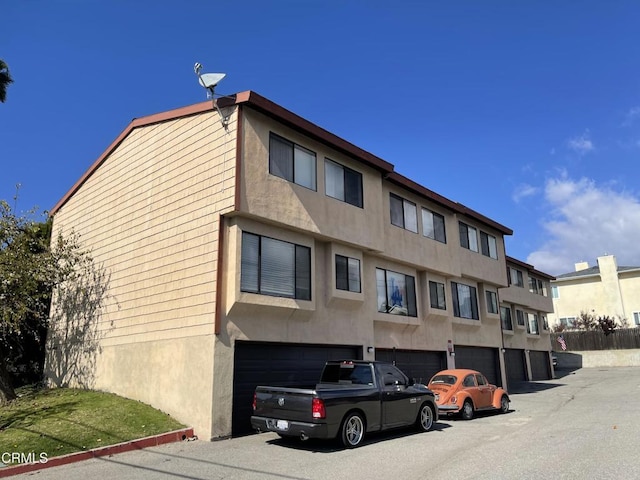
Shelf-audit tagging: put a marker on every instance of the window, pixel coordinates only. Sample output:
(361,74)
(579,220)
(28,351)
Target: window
(465,301)
(274,267)
(537,286)
(396,293)
(481,380)
(636,318)
(569,322)
(342,183)
(404,214)
(347,274)
(492,302)
(433,225)
(488,245)
(505,318)
(554,292)
(520,317)
(436,294)
(350,374)
(532,324)
(392,376)
(469,381)
(545,322)
(515,277)
(468,237)
(292,162)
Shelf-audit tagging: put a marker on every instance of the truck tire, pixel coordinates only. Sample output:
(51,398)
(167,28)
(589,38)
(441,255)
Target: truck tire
(352,430)
(426,414)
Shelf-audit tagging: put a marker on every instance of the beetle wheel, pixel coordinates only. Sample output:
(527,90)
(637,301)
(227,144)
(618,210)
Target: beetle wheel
(504,404)
(467,410)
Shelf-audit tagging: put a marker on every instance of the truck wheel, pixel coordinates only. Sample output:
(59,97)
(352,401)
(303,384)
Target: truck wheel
(467,410)
(424,422)
(352,431)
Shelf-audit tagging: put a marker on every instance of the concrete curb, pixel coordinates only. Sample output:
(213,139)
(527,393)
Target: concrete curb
(169,437)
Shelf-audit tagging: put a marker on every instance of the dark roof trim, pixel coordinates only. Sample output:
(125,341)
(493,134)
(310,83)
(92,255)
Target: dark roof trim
(296,122)
(445,202)
(529,268)
(309,129)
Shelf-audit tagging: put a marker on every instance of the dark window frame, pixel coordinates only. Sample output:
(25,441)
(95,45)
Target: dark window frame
(291,178)
(439,235)
(505,318)
(403,201)
(473,294)
(485,245)
(437,295)
(302,287)
(410,289)
(345,281)
(464,236)
(352,195)
(492,301)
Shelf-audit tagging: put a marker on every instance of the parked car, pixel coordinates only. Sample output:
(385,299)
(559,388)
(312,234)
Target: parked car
(465,392)
(353,397)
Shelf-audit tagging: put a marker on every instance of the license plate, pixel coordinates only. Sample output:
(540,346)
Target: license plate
(282,425)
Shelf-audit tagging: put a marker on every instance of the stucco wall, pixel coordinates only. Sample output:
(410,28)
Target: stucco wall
(150,214)
(598,358)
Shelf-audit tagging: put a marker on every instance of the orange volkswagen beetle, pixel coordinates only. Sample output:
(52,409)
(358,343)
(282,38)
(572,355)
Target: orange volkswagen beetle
(466,392)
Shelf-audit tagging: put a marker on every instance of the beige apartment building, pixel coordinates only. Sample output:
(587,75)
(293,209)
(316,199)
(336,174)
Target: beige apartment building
(525,306)
(603,290)
(248,252)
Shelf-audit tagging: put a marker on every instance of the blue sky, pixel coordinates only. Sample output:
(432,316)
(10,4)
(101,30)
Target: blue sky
(528,112)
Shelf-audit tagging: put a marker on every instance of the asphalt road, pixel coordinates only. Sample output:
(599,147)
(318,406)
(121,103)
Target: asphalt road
(583,425)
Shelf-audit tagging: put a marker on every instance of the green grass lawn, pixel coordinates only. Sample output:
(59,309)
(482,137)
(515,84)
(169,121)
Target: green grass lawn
(64,420)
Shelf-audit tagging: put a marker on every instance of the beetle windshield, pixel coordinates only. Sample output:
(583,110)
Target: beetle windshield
(447,379)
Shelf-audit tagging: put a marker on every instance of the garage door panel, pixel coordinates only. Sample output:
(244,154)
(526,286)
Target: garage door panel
(418,364)
(482,359)
(277,364)
(540,368)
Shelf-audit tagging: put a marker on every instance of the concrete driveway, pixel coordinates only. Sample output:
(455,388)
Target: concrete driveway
(584,424)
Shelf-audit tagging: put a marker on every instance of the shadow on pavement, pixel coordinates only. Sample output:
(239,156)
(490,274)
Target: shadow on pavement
(329,446)
(531,387)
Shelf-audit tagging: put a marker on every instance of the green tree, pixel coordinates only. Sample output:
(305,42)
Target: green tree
(31,267)
(5,80)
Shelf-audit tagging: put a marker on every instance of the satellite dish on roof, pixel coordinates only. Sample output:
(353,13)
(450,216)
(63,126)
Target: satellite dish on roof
(209,81)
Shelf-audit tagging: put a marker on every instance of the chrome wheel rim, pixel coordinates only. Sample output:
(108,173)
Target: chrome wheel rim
(426,418)
(468,409)
(504,403)
(355,430)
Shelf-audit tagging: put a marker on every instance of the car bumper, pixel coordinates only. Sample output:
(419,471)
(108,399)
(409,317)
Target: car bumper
(291,429)
(448,408)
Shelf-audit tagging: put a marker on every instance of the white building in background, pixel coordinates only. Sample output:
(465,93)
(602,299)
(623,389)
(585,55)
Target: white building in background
(603,290)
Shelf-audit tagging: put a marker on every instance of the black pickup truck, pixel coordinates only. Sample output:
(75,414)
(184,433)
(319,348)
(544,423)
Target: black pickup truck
(353,397)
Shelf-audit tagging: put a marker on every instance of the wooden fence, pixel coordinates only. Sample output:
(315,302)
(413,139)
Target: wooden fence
(577,341)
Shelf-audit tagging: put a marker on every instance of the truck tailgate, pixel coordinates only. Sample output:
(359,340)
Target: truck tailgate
(284,403)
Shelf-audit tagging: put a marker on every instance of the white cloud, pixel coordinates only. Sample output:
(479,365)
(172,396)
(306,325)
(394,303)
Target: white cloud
(632,115)
(581,144)
(523,191)
(587,221)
